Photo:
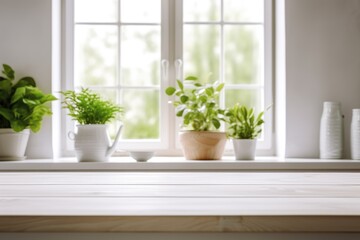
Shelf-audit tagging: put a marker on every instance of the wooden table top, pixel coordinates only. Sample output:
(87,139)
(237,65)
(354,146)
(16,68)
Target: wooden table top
(180,201)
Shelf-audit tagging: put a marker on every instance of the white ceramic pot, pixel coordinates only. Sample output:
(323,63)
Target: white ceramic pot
(13,144)
(92,142)
(202,145)
(355,134)
(244,149)
(331,131)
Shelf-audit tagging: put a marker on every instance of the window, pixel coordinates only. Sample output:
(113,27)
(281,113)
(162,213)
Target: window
(131,50)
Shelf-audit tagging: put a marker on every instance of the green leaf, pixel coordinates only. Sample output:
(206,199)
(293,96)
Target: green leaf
(48,98)
(209,91)
(34,92)
(191,78)
(260,122)
(18,125)
(180,113)
(19,94)
(259,117)
(8,72)
(211,105)
(220,87)
(170,91)
(25,81)
(21,110)
(180,84)
(36,117)
(31,102)
(7,114)
(203,98)
(5,87)
(184,99)
(216,123)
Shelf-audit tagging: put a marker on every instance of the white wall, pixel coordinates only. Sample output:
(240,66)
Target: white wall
(322,63)
(25,44)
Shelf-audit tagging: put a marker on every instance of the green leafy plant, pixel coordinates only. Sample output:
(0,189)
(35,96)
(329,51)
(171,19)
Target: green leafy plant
(243,123)
(197,104)
(22,105)
(87,107)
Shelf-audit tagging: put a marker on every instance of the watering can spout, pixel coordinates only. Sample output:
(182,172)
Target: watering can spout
(112,149)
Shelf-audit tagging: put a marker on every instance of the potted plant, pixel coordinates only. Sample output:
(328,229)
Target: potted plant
(244,127)
(92,113)
(198,106)
(22,108)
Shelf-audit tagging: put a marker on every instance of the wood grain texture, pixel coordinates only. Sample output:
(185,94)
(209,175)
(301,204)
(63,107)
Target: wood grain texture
(181,224)
(164,178)
(179,202)
(165,206)
(187,191)
(228,163)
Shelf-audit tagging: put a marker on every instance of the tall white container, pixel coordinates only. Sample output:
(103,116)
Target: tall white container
(331,131)
(355,134)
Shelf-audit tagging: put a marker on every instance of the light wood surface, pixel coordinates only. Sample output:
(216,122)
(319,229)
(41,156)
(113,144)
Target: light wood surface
(180,224)
(179,202)
(173,178)
(227,163)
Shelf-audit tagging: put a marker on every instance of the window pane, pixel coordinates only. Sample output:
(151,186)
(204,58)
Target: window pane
(244,10)
(95,55)
(247,97)
(201,10)
(244,54)
(141,11)
(141,114)
(140,55)
(96,10)
(202,51)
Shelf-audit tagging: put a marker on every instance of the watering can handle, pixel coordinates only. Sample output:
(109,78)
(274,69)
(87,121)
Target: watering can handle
(71,135)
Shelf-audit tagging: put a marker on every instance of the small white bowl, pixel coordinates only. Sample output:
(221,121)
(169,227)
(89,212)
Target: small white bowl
(141,156)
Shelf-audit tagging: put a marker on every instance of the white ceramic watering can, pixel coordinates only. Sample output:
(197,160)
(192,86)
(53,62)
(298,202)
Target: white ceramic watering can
(92,142)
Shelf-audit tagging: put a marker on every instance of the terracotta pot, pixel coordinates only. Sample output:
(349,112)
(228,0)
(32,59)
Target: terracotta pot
(202,145)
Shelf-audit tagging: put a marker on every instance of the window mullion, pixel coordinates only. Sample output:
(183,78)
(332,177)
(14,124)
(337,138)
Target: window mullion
(222,54)
(119,95)
(165,110)
(177,48)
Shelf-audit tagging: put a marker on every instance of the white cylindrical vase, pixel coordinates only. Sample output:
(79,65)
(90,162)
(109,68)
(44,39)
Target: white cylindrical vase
(331,131)
(355,134)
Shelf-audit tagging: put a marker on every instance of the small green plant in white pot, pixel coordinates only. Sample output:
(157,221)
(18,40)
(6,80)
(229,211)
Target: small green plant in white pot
(197,105)
(244,127)
(22,108)
(92,113)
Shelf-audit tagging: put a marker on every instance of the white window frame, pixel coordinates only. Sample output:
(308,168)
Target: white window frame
(171,32)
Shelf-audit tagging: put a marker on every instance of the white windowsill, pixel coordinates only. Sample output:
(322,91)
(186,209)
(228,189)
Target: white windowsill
(179,164)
